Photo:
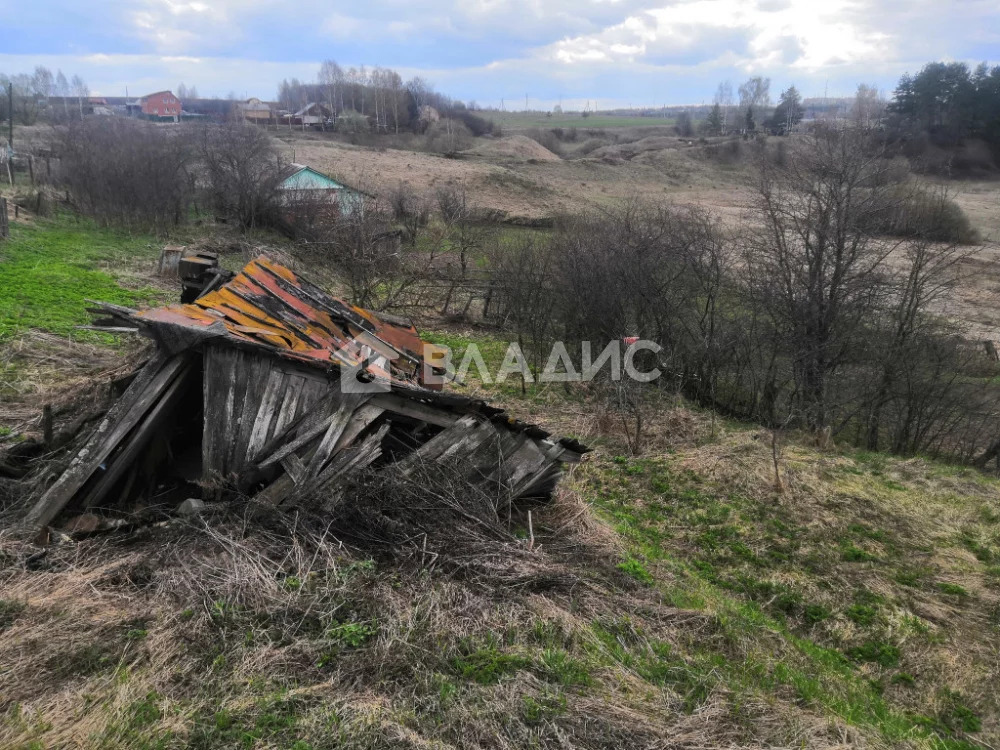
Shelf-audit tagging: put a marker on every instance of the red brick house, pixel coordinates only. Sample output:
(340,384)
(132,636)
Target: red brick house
(162,104)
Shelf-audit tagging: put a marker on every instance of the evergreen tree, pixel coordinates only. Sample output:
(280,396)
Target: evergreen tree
(713,124)
(789,111)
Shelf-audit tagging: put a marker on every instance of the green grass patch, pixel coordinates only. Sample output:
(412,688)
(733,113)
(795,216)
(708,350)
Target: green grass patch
(487,664)
(876,652)
(52,267)
(953,589)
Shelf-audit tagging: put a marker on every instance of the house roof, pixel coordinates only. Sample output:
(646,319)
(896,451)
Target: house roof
(304,110)
(269,307)
(157,92)
(303,177)
(254,105)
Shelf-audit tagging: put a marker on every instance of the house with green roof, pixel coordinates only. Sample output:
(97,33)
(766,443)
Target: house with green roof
(303,182)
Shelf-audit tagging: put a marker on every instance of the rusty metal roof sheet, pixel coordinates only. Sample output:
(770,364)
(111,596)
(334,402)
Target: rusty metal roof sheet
(269,306)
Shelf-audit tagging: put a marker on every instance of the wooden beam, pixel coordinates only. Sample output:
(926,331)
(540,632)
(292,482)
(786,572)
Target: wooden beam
(414,409)
(126,413)
(151,425)
(337,426)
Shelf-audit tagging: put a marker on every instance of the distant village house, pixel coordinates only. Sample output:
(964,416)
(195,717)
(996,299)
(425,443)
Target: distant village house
(312,114)
(255,111)
(301,182)
(162,105)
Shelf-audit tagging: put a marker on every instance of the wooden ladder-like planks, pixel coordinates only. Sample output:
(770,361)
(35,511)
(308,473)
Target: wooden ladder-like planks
(128,412)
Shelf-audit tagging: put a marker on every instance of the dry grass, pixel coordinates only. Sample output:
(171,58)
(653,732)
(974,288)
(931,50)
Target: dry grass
(73,377)
(267,632)
(609,631)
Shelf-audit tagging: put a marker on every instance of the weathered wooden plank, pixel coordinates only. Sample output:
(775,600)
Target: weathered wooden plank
(138,440)
(121,418)
(271,402)
(305,435)
(437,445)
(287,410)
(414,409)
(312,422)
(258,369)
(348,404)
(218,407)
(353,459)
(314,390)
(276,492)
(363,416)
(294,467)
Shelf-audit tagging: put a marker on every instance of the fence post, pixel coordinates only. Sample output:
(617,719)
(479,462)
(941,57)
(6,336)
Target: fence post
(4,228)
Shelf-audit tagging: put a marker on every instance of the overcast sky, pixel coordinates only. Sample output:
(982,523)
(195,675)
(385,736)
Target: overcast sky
(610,52)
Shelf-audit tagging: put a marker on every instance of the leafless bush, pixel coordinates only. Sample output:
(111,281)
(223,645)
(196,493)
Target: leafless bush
(243,171)
(468,232)
(805,317)
(410,211)
(911,210)
(365,251)
(729,151)
(127,173)
(448,137)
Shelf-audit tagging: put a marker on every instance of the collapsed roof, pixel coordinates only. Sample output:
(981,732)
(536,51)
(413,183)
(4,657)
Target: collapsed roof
(265,385)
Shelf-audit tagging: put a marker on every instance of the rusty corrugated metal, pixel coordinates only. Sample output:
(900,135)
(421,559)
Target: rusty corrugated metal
(268,305)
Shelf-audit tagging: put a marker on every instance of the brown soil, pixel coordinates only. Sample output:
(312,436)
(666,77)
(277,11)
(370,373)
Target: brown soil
(513,148)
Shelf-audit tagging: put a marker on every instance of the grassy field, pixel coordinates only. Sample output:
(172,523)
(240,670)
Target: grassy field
(514,121)
(670,596)
(52,267)
(677,596)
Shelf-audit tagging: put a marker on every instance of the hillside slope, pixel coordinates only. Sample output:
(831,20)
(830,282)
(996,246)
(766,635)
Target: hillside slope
(669,599)
(673,599)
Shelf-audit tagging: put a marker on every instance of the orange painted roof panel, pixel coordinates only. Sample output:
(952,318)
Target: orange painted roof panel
(271,306)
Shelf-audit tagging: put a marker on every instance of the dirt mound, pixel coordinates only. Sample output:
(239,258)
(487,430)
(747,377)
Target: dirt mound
(515,148)
(632,149)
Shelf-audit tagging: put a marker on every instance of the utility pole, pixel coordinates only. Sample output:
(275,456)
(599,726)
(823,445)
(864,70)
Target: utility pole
(10,113)
(525,102)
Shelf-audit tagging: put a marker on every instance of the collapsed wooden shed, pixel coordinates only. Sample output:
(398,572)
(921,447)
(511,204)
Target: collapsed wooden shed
(266,386)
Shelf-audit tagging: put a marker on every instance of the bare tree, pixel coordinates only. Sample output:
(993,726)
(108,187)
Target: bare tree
(243,170)
(331,77)
(755,95)
(868,107)
(105,170)
(62,91)
(724,98)
(811,265)
(80,91)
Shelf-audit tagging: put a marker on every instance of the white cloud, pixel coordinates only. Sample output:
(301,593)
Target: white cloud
(818,34)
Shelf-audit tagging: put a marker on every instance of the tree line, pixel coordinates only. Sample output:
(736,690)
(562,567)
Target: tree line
(377,98)
(31,92)
(810,315)
(949,102)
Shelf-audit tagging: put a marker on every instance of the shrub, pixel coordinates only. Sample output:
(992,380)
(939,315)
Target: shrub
(478,126)
(243,171)
(910,211)
(127,173)
(448,137)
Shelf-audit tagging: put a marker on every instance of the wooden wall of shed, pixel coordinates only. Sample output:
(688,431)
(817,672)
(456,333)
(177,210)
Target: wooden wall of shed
(250,397)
